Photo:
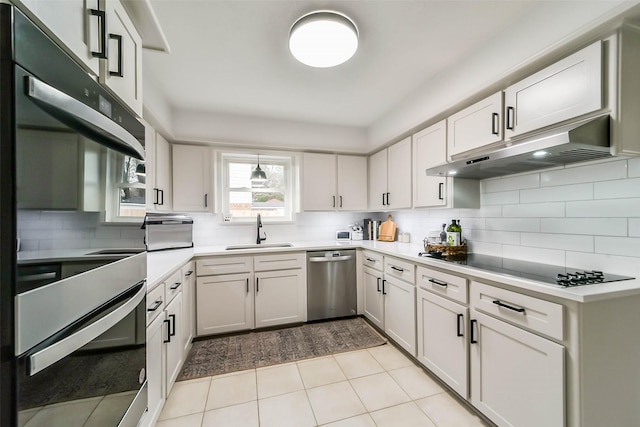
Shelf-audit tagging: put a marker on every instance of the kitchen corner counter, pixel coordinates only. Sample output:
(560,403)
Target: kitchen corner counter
(162,263)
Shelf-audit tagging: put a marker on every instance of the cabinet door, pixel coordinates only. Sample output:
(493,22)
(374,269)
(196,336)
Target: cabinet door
(74,23)
(224,303)
(569,88)
(173,340)
(188,305)
(442,341)
(280,297)
(400,313)
(191,178)
(319,182)
(155,370)
(53,178)
(429,149)
(122,70)
(378,180)
(161,194)
(399,175)
(352,183)
(477,126)
(517,378)
(373,299)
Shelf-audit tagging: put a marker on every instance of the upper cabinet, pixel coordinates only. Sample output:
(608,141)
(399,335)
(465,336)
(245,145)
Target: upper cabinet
(429,150)
(192,178)
(334,182)
(569,88)
(158,171)
(122,70)
(477,126)
(76,24)
(390,177)
(100,36)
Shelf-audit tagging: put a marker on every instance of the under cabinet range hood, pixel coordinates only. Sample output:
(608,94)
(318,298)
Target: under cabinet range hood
(577,142)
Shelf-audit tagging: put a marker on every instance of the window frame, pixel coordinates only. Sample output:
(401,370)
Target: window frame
(113,187)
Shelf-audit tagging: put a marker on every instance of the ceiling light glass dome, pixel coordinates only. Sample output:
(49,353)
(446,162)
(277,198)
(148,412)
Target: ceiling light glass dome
(323,39)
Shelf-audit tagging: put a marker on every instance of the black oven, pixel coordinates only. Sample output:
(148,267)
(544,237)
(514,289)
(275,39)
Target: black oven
(72,348)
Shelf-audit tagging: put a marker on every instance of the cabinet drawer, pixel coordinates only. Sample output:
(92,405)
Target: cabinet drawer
(532,313)
(373,260)
(223,265)
(282,261)
(173,286)
(155,302)
(445,284)
(400,269)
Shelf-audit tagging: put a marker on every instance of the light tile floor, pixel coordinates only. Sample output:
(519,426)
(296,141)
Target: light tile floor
(379,387)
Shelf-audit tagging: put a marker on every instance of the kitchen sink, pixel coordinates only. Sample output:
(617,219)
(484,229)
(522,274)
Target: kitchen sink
(260,246)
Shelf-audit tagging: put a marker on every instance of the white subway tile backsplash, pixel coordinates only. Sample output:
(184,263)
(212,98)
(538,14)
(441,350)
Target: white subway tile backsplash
(557,194)
(513,224)
(567,242)
(500,198)
(618,189)
(536,210)
(501,237)
(580,174)
(540,255)
(634,227)
(510,183)
(634,167)
(614,208)
(623,265)
(587,226)
(625,246)
(484,248)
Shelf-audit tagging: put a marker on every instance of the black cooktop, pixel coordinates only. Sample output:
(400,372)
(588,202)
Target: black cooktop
(550,274)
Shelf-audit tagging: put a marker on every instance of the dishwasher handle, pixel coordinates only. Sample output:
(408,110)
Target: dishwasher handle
(331,259)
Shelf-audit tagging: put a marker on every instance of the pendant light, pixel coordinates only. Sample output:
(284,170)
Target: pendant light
(141,170)
(258,176)
(323,39)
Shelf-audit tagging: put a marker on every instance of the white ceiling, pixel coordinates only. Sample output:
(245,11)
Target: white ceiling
(232,57)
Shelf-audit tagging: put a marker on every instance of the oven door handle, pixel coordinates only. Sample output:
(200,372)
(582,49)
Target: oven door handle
(49,355)
(82,118)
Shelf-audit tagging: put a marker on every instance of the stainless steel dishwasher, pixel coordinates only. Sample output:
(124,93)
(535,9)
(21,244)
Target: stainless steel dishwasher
(331,284)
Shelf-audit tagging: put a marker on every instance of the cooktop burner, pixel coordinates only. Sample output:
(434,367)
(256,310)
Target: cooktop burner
(550,274)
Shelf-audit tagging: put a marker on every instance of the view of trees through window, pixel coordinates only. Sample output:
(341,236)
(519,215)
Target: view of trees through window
(131,189)
(247,198)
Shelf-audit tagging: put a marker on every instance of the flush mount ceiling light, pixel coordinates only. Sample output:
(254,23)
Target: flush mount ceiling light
(323,39)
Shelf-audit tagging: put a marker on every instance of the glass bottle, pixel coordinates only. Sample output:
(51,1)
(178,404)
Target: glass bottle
(443,234)
(453,234)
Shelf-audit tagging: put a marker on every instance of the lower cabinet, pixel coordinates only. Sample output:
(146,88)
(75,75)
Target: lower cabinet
(517,378)
(240,293)
(173,340)
(373,297)
(188,305)
(442,340)
(155,370)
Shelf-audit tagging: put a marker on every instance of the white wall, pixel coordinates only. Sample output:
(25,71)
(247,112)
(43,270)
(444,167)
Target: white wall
(582,216)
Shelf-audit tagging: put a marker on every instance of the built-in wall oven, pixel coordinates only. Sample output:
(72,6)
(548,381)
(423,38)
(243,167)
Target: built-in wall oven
(72,349)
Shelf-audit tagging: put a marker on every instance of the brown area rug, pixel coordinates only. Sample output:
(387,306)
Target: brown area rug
(256,349)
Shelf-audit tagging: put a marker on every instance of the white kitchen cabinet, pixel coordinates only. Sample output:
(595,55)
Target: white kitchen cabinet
(400,312)
(224,303)
(122,70)
(189,304)
(158,171)
(477,126)
(74,24)
(430,150)
(390,177)
(243,292)
(173,340)
(280,297)
(517,378)
(373,298)
(442,340)
(155,370)
(191,178)
(334,182)
(569,88)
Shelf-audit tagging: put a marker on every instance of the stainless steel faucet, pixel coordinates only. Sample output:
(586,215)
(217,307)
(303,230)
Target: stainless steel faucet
(259,229)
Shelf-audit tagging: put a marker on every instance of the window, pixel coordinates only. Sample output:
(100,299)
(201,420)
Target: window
(126,189)
(243,200)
